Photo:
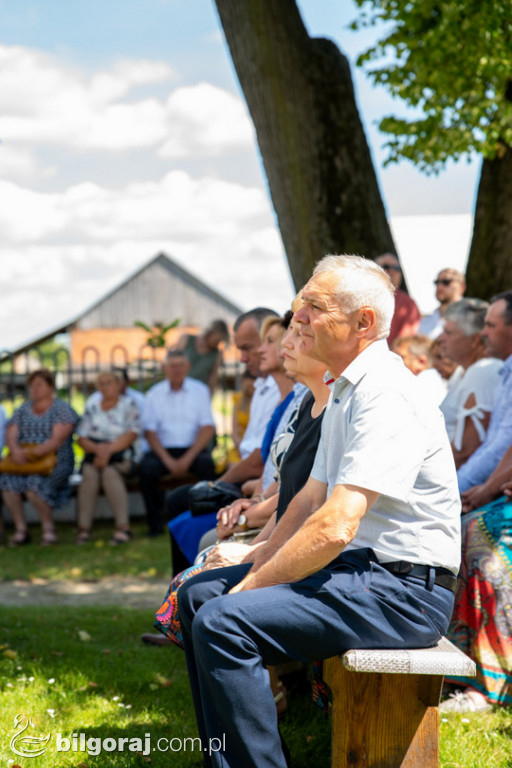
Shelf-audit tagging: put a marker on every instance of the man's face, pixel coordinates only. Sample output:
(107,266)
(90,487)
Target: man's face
(176,368)
(449,287)
(390,265)
(247,340)
(327,333)
(497,335)
(454,344)
(442,363)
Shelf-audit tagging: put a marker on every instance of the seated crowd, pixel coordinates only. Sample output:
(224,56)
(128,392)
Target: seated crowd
(290,468)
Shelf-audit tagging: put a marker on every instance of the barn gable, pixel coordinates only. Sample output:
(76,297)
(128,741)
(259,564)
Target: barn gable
(159,292)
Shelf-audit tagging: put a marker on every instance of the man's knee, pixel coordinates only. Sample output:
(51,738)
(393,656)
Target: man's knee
(207,585)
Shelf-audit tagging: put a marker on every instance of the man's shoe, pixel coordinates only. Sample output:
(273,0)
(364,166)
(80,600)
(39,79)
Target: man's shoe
(151,639)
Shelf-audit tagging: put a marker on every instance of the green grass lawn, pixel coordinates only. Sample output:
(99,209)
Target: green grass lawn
(142,558)
(83,669)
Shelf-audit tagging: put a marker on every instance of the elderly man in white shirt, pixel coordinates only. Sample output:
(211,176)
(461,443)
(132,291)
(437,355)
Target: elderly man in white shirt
(366,555)
(178,425)
(264,401)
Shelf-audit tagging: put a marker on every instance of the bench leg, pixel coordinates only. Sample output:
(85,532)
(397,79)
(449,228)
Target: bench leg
(383,720)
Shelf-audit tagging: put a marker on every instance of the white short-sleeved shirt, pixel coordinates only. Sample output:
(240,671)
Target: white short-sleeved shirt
(177,416)
(140,446)
(432,385)
(264,401)
(107,426)
(380,434)
(432,325)
(482,380)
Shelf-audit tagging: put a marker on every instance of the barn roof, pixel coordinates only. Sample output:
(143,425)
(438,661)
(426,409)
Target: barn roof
(158,292)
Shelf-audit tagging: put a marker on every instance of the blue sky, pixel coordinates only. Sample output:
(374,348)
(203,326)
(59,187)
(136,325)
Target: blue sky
(124,132)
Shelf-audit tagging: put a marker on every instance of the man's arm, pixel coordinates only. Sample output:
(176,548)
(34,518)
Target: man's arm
(246,469)
(325,532)
(159,450)
(479,495)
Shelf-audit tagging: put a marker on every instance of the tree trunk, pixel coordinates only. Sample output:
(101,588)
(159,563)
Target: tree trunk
(490,258)
(300,96)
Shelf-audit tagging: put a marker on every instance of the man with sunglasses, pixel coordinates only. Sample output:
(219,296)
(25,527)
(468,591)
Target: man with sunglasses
(450,286)
(406,317)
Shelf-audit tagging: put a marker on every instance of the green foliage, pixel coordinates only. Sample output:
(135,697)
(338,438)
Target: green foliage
(452,61)
(53,354)
(156,333)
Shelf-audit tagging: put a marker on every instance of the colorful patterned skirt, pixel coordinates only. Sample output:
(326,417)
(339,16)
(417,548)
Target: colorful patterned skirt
(481,624)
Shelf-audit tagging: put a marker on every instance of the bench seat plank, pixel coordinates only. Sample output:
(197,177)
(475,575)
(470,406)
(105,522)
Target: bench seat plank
(443,659)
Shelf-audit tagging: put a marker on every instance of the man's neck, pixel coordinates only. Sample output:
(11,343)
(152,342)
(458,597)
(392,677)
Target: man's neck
(336,367)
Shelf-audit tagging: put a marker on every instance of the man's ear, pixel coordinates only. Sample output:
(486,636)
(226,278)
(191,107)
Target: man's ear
(366,320)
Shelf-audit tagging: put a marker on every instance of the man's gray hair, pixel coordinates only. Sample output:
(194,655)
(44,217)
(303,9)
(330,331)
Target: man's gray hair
(175,353)
(468,315)
(258,314)
(362,283)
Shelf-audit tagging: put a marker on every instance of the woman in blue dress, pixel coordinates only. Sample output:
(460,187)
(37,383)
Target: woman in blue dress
(48,422)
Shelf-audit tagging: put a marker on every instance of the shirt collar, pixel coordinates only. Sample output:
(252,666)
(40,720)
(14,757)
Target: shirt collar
(184,387)
(360,366)
(264,384)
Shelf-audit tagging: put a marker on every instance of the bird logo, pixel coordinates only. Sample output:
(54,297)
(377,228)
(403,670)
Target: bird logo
(27,746)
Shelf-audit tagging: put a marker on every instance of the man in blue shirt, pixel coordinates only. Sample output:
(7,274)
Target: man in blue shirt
(481,464)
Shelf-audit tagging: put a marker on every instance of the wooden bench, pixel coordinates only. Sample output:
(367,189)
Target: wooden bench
(384,705)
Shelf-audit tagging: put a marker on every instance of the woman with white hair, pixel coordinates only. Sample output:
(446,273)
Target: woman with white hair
(469,401)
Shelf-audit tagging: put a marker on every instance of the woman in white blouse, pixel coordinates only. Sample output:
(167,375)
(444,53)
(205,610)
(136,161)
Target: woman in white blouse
(470,399)
(107,432)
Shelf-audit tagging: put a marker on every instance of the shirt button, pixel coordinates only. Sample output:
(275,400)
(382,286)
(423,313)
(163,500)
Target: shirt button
(336,399)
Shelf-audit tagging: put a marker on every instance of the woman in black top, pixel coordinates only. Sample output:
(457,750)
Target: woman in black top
(296,465)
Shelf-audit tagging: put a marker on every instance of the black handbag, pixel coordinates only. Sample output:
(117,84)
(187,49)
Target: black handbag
(210,495)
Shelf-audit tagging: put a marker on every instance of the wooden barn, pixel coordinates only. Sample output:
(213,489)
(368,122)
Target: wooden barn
(157,294)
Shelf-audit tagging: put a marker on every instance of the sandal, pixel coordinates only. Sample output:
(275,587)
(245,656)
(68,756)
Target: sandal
(48,537)
(82,537)
(120,537)
(19,538)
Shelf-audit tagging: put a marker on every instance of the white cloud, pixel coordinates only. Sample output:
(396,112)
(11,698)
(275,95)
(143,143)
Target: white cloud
(21,165)
(42,101)
(205,120)
(176,206)
(62,251)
